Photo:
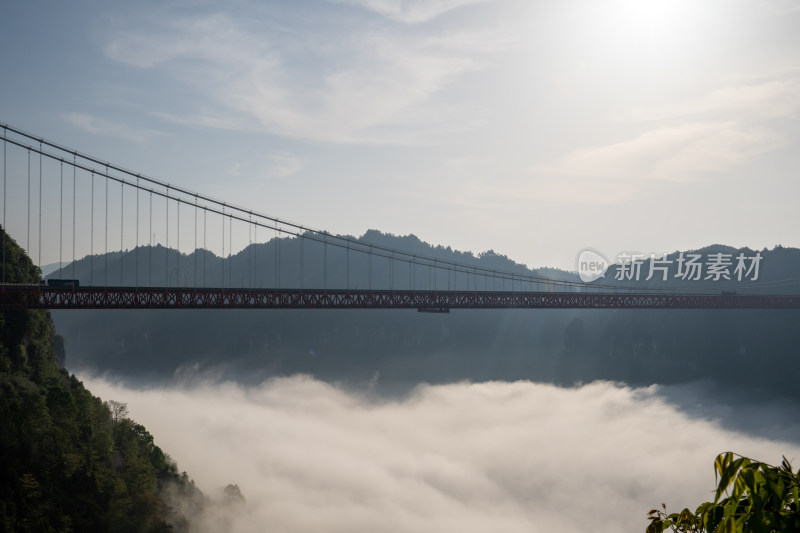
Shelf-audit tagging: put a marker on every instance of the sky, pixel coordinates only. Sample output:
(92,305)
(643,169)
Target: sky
(532,128)
(497,456)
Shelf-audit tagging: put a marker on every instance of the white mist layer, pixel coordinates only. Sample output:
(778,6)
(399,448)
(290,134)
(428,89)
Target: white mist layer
(500,457)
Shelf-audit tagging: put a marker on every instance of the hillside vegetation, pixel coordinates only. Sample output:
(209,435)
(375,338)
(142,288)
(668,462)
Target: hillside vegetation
(68,460)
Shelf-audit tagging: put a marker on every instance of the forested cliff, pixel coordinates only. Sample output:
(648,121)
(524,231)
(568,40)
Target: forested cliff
(68,460)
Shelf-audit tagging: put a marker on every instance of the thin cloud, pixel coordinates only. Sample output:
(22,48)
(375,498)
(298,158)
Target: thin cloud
(99,126)
(683,142)
(410,11)
(777,7)
(679,154)
(580,190)
(777,97)
(217,39)
(511,457)
(275,165)
(380,87)
(207,119)
(284,164)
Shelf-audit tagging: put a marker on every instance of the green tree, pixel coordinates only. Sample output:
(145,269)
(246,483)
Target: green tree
(68,461)
(751,496)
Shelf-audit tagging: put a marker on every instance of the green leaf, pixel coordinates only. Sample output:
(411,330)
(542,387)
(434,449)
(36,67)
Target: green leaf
(712,517)
(763,499)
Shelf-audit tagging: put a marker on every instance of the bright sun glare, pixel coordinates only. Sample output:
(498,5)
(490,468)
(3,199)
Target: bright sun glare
(654,15)
(650,30)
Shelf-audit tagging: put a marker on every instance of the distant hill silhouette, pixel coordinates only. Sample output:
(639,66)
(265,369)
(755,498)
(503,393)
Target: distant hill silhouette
(397,348)
(280,263)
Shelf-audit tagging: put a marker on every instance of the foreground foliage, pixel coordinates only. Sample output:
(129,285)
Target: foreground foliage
(759,498)
(67,462)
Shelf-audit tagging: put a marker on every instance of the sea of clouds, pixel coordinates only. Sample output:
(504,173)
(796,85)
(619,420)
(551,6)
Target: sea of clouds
(309,456)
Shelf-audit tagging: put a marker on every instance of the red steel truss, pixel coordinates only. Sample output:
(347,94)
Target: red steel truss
(43,297)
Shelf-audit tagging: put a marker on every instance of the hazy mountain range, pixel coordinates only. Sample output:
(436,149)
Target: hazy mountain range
(396,348)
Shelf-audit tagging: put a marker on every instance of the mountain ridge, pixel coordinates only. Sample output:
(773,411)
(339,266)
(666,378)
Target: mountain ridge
(399,348)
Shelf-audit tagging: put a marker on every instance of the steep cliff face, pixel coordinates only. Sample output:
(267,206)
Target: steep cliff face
(67,461)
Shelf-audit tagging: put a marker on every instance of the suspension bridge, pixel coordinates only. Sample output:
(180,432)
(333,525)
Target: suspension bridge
(123,223)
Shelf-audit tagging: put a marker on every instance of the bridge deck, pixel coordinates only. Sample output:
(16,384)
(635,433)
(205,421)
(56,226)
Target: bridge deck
(43,297)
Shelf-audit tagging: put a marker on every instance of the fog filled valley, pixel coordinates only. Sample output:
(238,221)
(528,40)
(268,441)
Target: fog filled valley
(476,420)
(472,457)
